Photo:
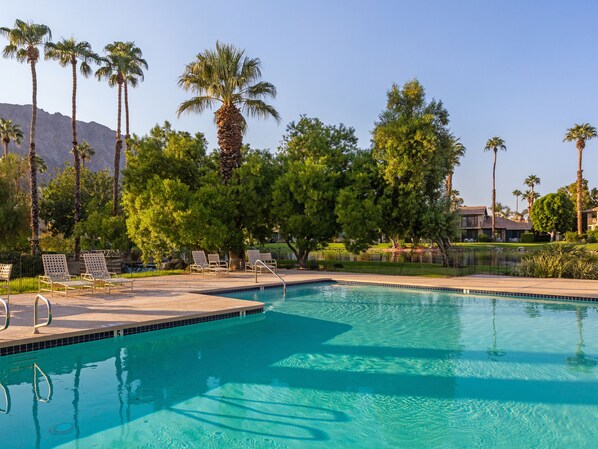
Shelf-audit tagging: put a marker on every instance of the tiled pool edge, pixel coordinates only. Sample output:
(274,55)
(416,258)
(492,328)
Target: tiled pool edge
(121,330)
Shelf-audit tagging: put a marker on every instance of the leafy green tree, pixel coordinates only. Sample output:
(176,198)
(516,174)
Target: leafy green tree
(56,206)
(494,144)
(13,213)
(10,131)
(70,52)
(357,208)
(24,41)
(227,76)
(580,134)
(314,159)
(553,213)
(589,197)
(413,144)
(86,152)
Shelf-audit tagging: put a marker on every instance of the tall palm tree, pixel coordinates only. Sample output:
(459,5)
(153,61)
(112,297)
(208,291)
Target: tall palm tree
(456,152)
(24,41)
(69,51)
(531,181)
(10,131)
(133,74)
(580,134)
(86,152)
(494,144)
(517,193)
(227,76)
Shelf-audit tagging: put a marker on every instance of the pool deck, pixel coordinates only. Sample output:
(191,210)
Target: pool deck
(166,299)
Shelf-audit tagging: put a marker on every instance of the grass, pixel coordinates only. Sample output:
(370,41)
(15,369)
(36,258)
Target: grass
(29,284)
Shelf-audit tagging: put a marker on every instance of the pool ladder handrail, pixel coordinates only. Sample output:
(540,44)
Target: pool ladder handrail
(284,284)
(7,312)
(36,326)
(38,396)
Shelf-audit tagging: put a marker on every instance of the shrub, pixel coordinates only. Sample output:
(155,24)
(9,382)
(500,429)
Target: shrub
(559,261)
(484,238)
(572,237)
(528,237)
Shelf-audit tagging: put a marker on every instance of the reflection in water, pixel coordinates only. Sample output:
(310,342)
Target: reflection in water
(494,352)
(580,360)
(6,393)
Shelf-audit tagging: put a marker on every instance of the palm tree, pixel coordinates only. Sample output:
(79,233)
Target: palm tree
(133,74)
(227,76)
(456,152)
(517,193)
(24,40)
(494,144)
(69,51)
(10,131)
(531,181)
(86,152)
(580,134)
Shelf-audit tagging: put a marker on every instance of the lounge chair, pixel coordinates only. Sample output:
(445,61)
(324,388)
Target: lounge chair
(5,270)
(216,265)
(200,262)
(253,255)
(57,275)
(97,272)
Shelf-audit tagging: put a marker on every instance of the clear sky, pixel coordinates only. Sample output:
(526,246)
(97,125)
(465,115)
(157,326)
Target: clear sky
(523,70)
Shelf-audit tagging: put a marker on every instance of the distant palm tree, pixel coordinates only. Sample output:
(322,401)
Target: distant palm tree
(86,152)
(227,76)
(517,193)
(10,131)
(133,74)
(531,181)
(24,42)
(456,152)
(580,134)
(114,70)
(494,144)
(70,52)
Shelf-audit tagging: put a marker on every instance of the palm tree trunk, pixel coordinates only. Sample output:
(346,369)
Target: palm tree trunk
(33,168)
(494,194)
(77,161)
(449,185)
(517,204)
(127,135)
(230,139)
(579,182)
(117,151)
(5,147)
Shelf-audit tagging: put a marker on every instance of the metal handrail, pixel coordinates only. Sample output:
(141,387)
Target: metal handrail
(7,311)
(284,284)
(47,323)
(38,397)
(7,401)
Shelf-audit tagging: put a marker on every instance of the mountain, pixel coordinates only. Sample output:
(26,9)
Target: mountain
(53,137)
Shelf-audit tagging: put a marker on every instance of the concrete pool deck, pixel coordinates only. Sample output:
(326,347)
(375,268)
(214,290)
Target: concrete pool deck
(168,299)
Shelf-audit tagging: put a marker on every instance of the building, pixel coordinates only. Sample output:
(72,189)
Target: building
(475,221)
(589,219)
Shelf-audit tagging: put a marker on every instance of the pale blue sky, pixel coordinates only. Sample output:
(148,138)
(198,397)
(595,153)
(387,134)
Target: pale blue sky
(525,71)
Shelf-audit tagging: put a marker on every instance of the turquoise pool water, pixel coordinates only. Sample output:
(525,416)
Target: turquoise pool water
(327,366)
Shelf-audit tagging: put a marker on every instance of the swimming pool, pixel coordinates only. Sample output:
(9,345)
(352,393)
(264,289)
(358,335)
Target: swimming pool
(327,366)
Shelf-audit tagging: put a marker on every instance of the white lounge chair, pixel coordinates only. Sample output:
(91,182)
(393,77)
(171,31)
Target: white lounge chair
(57,275)
(5,270)
(216,265)
(253,255)
(97,272)
(200,262)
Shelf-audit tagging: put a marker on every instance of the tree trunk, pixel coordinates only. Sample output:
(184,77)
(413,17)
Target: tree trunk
(5,142)
(117,151)
(33,167)
(127,135)
(302,256)
(77,161)
(494,194)
(579,186)
(444,246)
(230,139)
(449,185)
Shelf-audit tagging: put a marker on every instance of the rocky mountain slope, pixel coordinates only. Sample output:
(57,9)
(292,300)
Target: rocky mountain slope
(53,137)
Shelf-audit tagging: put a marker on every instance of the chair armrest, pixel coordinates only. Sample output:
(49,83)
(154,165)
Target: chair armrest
(87,276)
